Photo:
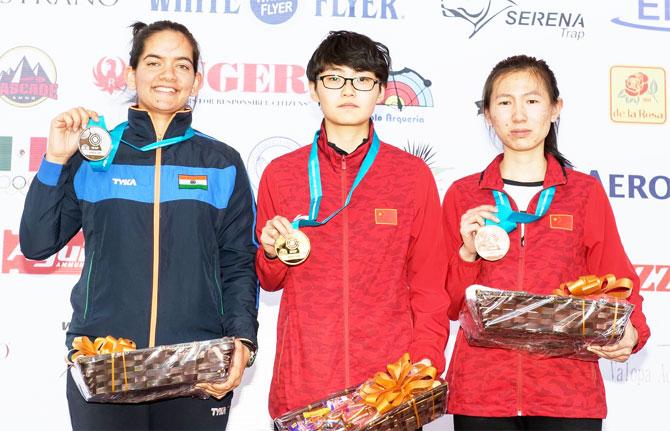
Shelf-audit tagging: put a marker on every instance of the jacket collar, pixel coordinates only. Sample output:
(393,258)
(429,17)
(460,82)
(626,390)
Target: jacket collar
(490,177)
(353,159)
(141,129)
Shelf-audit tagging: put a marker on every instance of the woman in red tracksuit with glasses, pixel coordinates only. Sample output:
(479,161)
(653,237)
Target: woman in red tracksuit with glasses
(501,389)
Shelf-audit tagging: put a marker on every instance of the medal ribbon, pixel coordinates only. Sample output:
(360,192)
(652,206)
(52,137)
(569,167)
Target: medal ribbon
(509,218)
(315,191)
(117,132)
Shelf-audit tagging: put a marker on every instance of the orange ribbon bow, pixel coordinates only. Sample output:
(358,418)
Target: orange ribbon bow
(587,285)
(387,391)
(109,344)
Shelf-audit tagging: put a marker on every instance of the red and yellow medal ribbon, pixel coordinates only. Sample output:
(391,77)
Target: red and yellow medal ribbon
(403,380)
(108,344)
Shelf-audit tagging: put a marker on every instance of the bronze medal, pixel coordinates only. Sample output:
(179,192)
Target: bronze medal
(491,242)
(95,143)
(293,248)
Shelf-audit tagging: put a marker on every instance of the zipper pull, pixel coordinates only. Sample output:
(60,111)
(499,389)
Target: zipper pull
(344,163)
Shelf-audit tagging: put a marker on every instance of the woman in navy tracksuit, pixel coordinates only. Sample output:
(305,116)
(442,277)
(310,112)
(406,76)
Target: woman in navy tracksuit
(168,229)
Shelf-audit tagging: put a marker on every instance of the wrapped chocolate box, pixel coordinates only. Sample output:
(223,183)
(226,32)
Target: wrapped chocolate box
(406,398)
(133,376)
(551,325)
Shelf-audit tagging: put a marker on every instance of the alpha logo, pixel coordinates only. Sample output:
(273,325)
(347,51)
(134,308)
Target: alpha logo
(637,94)
(407,88)
(27,77)
(274,11)
(124,182)
(654,278)
(634,186)
(380,9)
(69,260)
(480,12)
(109,74)
(651,15)
(257,78)
(215,6)
(264,152)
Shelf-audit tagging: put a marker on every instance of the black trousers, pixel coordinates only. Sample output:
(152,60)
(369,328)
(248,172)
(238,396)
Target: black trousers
(525,423)
(174,414)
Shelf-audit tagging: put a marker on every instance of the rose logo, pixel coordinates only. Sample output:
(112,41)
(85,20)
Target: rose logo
(637,84)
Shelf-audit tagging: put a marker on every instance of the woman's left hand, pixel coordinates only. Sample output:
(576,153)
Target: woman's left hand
(239,363)
(620,351)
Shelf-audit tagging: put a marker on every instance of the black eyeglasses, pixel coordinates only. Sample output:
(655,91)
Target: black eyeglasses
(360,83)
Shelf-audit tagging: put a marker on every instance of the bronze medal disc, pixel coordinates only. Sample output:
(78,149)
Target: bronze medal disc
(293,249)
(491,242)
(95,143)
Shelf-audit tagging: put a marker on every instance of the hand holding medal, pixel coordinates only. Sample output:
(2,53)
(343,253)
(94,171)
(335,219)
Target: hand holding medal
(472,222)
(65,133)
(280,239)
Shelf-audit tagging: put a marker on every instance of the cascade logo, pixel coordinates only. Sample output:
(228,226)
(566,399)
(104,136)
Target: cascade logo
(637,94)
(379,9)
(27,77)
(69,260)
(634,186)
(198,6)
(274,11)
(654,278)
(646,15)
(479,13)
(263,153)
(109,74)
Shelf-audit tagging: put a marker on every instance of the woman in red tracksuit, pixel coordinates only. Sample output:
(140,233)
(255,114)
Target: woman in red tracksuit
(501,389)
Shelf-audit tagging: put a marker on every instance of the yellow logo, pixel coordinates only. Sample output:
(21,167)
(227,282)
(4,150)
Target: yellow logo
(637,94)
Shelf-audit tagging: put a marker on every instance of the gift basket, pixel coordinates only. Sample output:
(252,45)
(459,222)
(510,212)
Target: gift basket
(405,398)
(589,311)
(111,370)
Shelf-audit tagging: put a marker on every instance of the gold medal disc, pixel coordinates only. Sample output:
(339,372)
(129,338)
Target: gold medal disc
(491,242)
(95,143)
(293,249)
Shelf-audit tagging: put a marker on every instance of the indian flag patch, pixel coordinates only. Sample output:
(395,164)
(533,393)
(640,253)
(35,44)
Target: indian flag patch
(193,182)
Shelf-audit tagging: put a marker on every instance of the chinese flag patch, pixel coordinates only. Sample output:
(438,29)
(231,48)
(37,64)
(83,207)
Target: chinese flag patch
(386,216)
(560,221)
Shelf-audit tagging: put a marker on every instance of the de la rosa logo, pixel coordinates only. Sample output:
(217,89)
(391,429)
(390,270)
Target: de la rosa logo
(646,15)
(480,13)
(69,260)
(632,186)
(405,88)
(27,77)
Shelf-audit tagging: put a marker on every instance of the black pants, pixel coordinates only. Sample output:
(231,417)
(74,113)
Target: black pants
(174,414)
(525,423)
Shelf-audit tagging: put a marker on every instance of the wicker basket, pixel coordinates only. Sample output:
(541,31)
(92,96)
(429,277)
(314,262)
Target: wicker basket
(547,324)
(154,373)
(428,406)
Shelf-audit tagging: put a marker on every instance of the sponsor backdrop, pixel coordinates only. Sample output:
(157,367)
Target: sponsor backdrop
(611,65)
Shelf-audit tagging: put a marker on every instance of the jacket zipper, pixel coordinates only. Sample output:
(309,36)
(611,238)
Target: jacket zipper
(345,274)
(156,247)
(88,284)
(522,269)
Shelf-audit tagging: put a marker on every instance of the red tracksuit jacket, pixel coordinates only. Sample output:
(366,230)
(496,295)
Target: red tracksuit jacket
(373,285)
(582,240)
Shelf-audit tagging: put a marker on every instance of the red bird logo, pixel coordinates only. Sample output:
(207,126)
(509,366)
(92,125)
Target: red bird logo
(109,74)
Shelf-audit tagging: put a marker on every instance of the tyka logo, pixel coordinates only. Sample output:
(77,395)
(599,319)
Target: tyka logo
(124,182)
(109,74)
(27,77)
(477,13)
(69,260)
(651,15)
(274,11)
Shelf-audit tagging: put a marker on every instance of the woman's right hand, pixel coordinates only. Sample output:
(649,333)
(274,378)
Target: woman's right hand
(471,221)
(64,133)
(274,227)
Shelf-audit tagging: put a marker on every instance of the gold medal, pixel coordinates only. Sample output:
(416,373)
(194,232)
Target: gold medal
(293,248)
(491,242)
(95,143)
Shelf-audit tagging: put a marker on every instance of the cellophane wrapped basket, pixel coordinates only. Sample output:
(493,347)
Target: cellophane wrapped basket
(154,373)
(547,324)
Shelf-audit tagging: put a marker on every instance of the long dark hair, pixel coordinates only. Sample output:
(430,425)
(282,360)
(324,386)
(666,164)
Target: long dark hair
(142,31)
(541,70)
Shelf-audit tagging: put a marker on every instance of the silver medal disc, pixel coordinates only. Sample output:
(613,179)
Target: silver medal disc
(95,143)
(491,242)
